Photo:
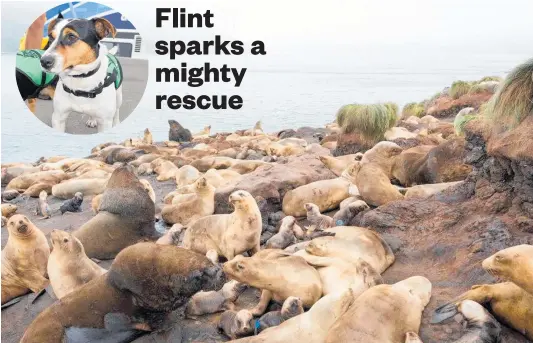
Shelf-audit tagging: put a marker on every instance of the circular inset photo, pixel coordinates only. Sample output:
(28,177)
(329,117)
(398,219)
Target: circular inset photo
(80,67)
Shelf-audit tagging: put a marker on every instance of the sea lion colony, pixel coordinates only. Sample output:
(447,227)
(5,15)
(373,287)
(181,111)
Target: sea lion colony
(291,220)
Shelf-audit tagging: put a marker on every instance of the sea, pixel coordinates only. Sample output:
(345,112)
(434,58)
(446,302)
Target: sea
(280,96)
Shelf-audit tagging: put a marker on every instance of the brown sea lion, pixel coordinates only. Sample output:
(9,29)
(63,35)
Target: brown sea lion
(126,216)
(214,301)
(24,259)
(288,233)
(68,266)
(235,324)
(145,282)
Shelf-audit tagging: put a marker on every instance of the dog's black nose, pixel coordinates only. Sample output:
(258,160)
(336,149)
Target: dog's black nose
(47,62)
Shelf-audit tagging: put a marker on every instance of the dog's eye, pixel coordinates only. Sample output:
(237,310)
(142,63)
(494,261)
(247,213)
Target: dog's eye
(71,38)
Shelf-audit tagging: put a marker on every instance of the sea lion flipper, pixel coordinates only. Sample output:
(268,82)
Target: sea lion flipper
(444,312)
(11,302)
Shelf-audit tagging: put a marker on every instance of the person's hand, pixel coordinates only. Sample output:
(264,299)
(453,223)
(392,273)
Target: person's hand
(34,36)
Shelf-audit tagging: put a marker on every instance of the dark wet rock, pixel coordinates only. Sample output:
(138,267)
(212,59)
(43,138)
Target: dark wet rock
(275,217)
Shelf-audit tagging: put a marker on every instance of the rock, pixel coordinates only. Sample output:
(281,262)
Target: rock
(275,218)
(271,182)
(350,144)
(445,106)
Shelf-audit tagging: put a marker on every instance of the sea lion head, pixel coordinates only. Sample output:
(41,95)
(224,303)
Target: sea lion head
(418,286)
(292,306)
(370,276)
(201,183)
(504,263)
(43,195)
(9,209)
(64,241)
(240,199)
(240,269)
(232,289)
(312,208)
(243,321)
(319,246)
(20,227)
(353,169)
(358,206)
(288,221)
(78,196)
(146,131)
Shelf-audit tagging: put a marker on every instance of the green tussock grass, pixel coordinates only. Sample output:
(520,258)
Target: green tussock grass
(513,102)
(459,88)
(392,109)
(370,121)
(491,78)
(413,109)
(460,122)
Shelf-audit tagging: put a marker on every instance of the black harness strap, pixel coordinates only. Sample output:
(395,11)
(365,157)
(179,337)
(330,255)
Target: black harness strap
(109,80)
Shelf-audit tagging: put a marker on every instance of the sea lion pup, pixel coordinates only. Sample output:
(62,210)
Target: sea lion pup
(10,195)
(509,304)
(24,259)
(320,221)
(95,203)
(424,191)
(373,184)
(144,284)
(287,234)
(228,234)
(72,205)
(178,133)
(147,139)
(201,205)
(256,130)
(345,215)
(338,274)
(214,301)
(292,306)
(67,189)
(165,171)
(513,264)
(186,175)
(384,313)
(279,275)
(363,243)
(172,236)
(311,326)
(125,216)
(68,266)
(236,324)
(144,169)
(43,209)
(412,337)
(203,133)
(8,210)
(149,189)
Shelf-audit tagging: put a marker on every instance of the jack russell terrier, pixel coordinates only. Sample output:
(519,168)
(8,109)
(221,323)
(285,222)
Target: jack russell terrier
(90,79)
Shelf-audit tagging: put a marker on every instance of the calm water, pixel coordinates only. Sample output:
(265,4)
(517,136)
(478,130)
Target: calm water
(289,97)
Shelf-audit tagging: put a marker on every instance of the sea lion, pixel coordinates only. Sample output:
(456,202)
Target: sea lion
(338,274)
(407,163)
(212,162)
(25,181)
(101,146)
(481,326)
(24,259)
(67,189)
(117,154)
(147,138)
(309,327)
(36,189)
(68,266)
(9,195)
(384,313)
(203,204)
(236,324)
(8,210)
(146,158)
(145,282)
(125,216)
(95,203)
(42,208)
(326,194)
(510,304)
(247,166)
(363,243)
(228,234)
(382,155)
(287,234)
(424,191)
(345,215)
(256,130)
(335,164)
(373,184)
(72,205)
(149,189)
(144,169)
(178,133)
(279,275)
(513,264)
(165,171)
(214,301)
(186,175)
(320,221)
(292,306)
(203,133)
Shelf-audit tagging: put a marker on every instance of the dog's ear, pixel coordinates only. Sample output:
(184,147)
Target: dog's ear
(53,24)
(104,28)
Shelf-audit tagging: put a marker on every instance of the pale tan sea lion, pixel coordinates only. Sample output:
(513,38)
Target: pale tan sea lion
(147,139)
(248,166)
(68,266)
(148,187)
(228,234)
(165,171)
(146,158)
(373,184)
(383,155)
(24,259)
(424,191)
(205,132)
(351,243)
(43,209)
(337,164)
(95,203)
(279,275)
(212,162)
(513,264)
(203,204)
(144,169)
(67,189)
(8,210)
(25,181)
(304,328)
(384,313)
(186,175)
(126,216)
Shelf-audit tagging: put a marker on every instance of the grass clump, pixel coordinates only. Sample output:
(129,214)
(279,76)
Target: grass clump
(491,78)
(370,121)
(459,88)
(413,109)
(392,109)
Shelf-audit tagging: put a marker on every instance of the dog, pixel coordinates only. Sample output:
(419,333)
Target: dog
(90,79)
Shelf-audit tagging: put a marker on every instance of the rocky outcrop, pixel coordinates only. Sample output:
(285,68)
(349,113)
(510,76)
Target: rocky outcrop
(445,106)
(270,183)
